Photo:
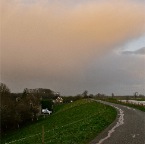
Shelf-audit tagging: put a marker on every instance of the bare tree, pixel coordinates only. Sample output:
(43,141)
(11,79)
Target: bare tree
(135,94)
(85,94)
(112,95)
(4,89)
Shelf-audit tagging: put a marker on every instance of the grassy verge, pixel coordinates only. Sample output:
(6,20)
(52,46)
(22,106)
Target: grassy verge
(139,99)
(74,123)
(113,100)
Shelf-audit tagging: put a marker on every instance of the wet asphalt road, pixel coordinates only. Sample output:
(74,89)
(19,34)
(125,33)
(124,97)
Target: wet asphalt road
(130,131)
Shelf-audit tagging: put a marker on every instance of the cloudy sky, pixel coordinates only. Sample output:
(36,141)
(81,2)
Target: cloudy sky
(70,46)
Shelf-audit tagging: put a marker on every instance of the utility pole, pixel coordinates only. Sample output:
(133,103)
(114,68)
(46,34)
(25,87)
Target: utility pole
(42,134)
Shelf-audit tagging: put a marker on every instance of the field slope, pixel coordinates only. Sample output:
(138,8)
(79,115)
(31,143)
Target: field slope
(74,123)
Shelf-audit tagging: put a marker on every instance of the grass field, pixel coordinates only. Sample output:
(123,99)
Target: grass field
(73,123)
(139,107)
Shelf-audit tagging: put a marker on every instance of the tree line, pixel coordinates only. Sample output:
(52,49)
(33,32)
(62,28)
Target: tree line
(17,109)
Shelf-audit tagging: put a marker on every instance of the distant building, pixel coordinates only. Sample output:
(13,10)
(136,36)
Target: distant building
(58,100)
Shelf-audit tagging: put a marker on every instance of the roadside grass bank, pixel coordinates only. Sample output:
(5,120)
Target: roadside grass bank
(78,122)
(136,106)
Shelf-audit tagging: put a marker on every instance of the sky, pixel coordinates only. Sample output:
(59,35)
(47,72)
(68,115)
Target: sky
(70,46)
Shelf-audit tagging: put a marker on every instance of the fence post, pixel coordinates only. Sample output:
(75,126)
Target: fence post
(42,134)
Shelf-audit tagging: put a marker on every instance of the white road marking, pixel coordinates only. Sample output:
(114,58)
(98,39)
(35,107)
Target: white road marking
(133,136)
(127,107)
(119,123)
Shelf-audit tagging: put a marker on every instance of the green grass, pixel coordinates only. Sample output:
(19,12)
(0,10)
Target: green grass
(139,99)
(74,123)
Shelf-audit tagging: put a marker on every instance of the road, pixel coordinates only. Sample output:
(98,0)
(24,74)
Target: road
(128,128)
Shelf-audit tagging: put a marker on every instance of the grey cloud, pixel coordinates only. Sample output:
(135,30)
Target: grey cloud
(118,74)
(140,51)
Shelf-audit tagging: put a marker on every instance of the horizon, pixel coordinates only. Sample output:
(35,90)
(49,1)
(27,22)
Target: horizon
(20,92)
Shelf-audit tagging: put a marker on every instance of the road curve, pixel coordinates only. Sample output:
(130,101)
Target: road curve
(128,128)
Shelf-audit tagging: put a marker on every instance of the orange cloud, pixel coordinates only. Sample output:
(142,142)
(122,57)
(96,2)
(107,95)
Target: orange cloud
(52,37)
